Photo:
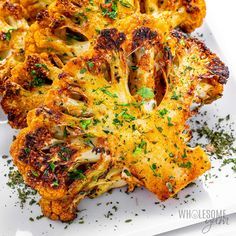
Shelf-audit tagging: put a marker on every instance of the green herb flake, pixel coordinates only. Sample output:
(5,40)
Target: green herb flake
(108,93)
(85,123)
(187,165)
(52,166)
(32,202)
(154,166)
(40,65)
(188,68)
(34,173)
(127,172)
(27,150)
(65,133)
(76,174)
(111,14)
(169,121)
(138,149)
(8,34)
(175,96)
(90,64)
(37,81)
(117,122)
(185,154)
(64,153)
(83,70)
(163,112)
(128,220)
(146,93)
(55,183)
(127,116)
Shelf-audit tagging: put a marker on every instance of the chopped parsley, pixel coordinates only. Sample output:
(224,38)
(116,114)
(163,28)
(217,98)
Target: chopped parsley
(146,93)
(85,123)
(65,133)
(64,153)
(163,112)
(83,70)
(27,150)
(110,13)
(41,65)
(138,149)
(37,81)
(76,174)
(175,96)
(128,220)
(127,116)
(52,166)
(105,91)
(154,168)
(220,140)
(169,121)
(187,165)
(55,183)
(90,64)
(185,154)
(8,34)
(127,172)
(188,68)
(34,173)
(117,122)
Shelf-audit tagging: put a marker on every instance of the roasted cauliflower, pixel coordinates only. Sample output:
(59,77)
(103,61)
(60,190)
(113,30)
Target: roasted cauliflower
(116,115)
(67,28)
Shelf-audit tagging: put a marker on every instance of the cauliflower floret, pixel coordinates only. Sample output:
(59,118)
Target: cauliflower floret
(94,131)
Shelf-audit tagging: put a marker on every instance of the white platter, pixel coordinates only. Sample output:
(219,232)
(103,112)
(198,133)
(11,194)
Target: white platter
(152,218)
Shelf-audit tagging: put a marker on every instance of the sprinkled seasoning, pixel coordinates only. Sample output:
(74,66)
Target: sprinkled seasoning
(220,140)
(128,220)
(16,183)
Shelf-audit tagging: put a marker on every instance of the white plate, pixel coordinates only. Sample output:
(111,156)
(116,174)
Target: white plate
(152,218)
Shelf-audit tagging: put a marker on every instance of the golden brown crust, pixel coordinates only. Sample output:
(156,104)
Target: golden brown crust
(192,11)
(27,88)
